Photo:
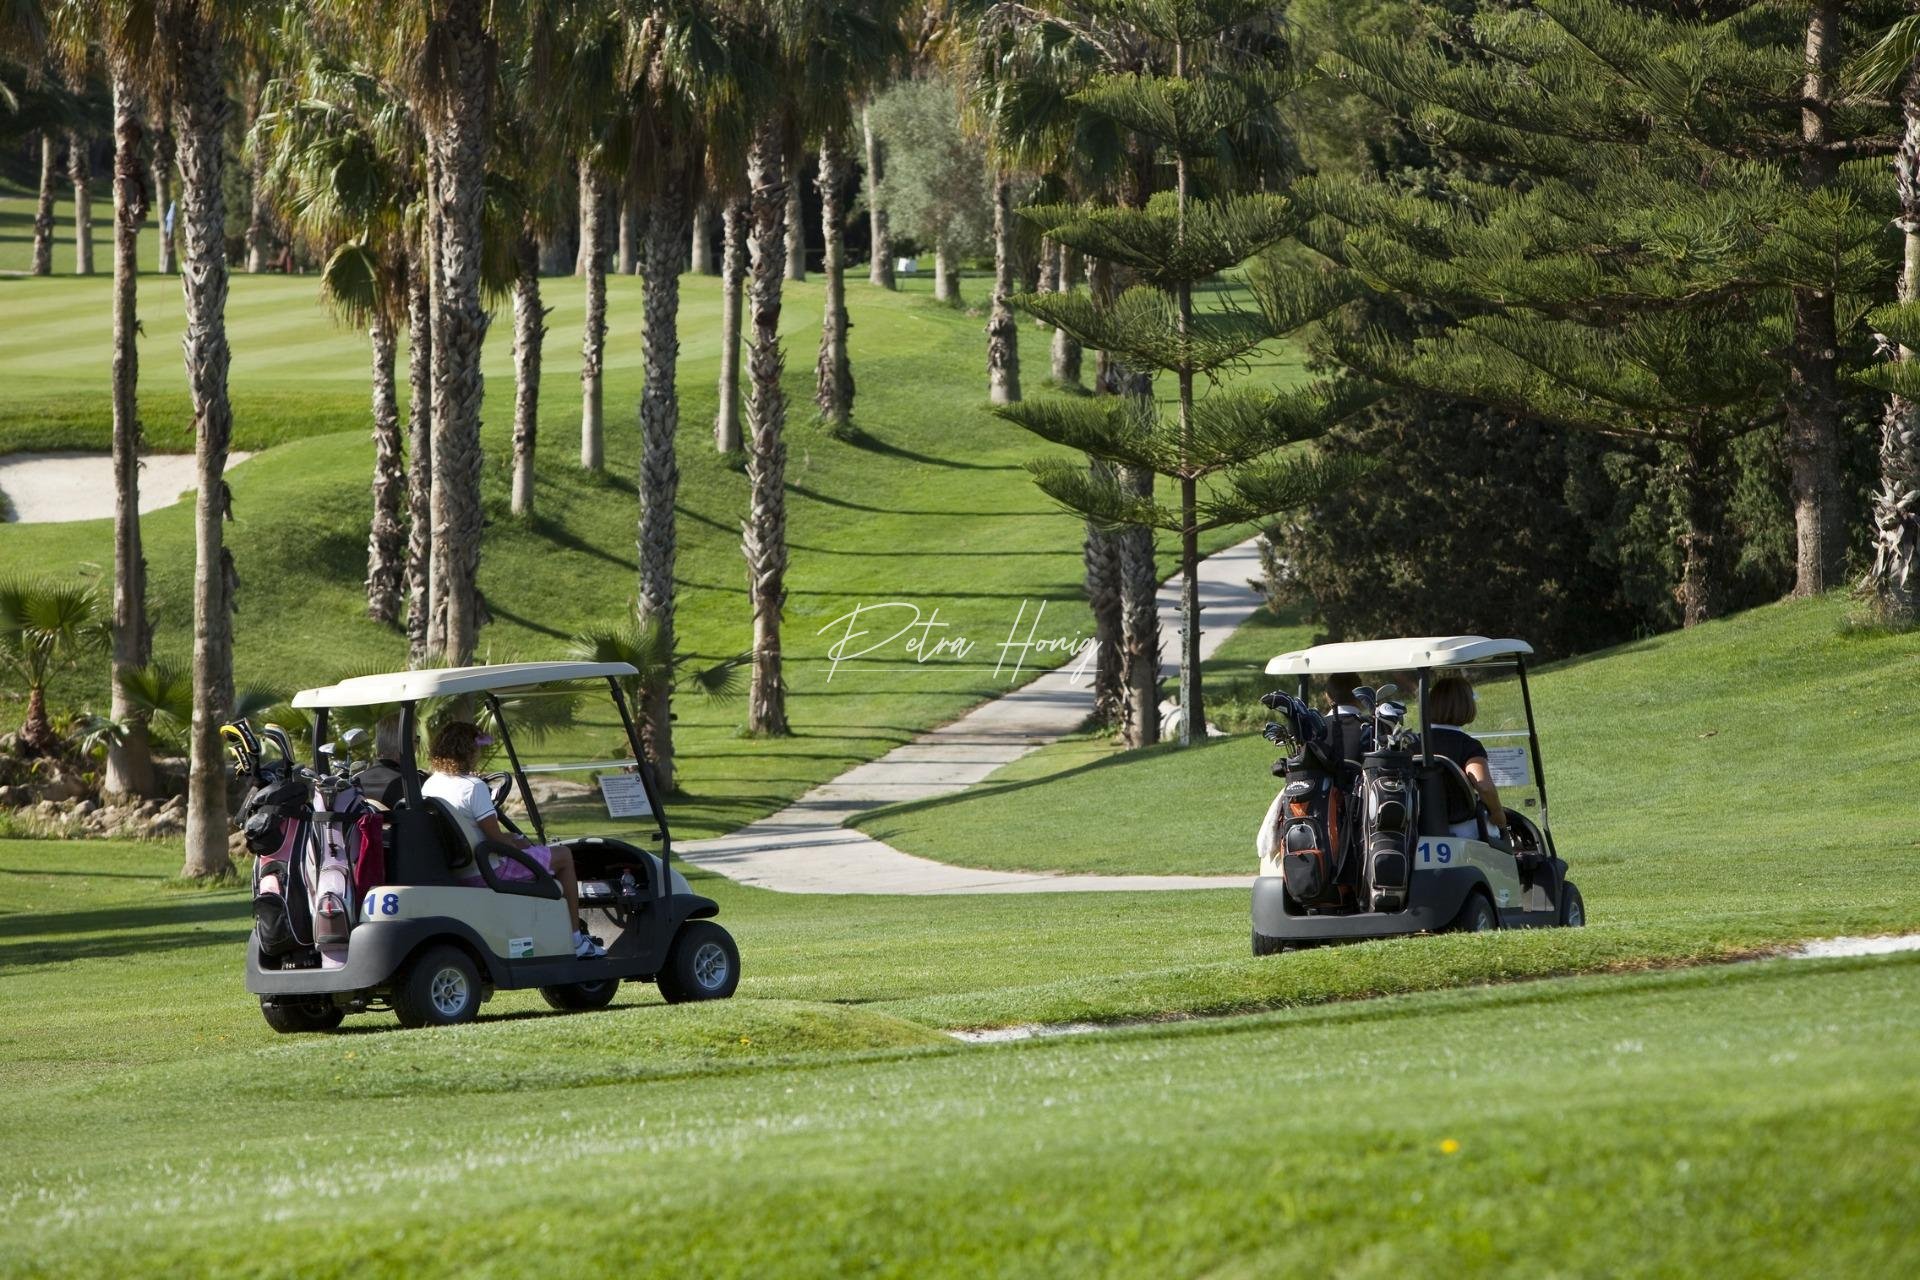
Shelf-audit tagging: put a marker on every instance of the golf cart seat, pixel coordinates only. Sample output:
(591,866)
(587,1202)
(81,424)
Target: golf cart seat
(1458,800)
(466,850)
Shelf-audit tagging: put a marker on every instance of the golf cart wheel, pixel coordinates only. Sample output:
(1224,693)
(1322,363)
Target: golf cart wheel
(439,989)
(1265,946)
(702,964)
(1573,908)
(290,1018)
(581,997)
(1476,916)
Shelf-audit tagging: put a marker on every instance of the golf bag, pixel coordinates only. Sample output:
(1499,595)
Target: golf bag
(1388,799)
(273,819)
(1313,819)
(345,857)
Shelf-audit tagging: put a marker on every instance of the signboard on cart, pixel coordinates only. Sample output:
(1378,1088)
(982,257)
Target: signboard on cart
(1507,766)
(625,795)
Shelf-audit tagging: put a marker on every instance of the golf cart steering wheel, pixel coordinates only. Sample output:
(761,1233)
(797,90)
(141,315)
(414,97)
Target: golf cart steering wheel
(501,786)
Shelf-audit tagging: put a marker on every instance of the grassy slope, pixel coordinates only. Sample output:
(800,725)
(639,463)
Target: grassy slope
(932,507)
(1751,1121)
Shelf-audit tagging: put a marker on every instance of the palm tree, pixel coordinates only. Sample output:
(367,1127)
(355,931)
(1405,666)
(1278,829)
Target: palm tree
(880,261)
(765,530)
(659,669)
(340,156)
(129,757)
(420,434)
(44,625)
(733,275)
(163,191)
(833,372)
(80,173)
(1003,331)
(188,49)
(43,211)
(1890,582)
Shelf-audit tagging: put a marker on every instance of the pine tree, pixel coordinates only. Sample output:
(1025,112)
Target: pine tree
(1228,438)
(1624,185)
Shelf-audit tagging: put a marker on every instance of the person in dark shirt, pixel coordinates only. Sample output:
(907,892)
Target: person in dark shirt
(1451,706)
(1344,716)
(384,781)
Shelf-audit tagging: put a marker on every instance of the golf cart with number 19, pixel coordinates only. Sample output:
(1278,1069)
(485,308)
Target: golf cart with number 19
(1375,834)
(446,925)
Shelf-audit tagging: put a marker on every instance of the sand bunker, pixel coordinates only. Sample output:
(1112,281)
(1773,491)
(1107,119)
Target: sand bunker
(47,487)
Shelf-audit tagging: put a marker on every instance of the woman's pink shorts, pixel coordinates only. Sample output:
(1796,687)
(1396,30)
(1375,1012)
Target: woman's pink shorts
(509,870)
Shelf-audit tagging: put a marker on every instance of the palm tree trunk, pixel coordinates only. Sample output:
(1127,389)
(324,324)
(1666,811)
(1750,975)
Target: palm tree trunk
(419,452)
(629,234)
(43,211)
(582,205)
(163,185)
(593,343)
(130,760)
(880,265)
(946,274)
(833,373)
(1813,402)
(387,538)
(1046,274)
(81,175)
(260,236)
(796,227)
(765,530)
(200,118)
(733,271)
(1699,482)
(700,249)
(1896,505)
(529,332)
(1066,351)
(659,469)
(37,737)
(457,130)
(1003,331)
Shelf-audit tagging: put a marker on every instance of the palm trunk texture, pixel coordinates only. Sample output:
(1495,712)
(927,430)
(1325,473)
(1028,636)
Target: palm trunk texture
(1896,503)
(200,120)
(833,373)
(43,211)
(946,275)
(419,453)
(457,131)
(796,229)
(1003,331)
(529,332)
(1066,351)
(880,264)
(163,162)
(733,272)
(81,175)
(593,341)
(129,769)
(765,529)
(659,468)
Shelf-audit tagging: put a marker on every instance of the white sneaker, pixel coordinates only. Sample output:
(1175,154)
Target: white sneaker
(585,948)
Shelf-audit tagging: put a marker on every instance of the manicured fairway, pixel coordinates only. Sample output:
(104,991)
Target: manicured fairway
(1743,1121)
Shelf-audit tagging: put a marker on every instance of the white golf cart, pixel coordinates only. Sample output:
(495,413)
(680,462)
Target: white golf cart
(1365,839)
(429,943)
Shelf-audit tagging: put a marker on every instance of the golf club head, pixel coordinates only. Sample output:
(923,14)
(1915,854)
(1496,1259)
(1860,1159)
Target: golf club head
(278,737)
(352,739)
(1385,690)
(1273,701)
(1363,698)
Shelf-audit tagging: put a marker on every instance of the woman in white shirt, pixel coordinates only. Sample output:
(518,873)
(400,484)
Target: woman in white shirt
(453,752)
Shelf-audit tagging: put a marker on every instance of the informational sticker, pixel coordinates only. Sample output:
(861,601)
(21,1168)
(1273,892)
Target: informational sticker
(518,947)
(625,794)
(1508,767)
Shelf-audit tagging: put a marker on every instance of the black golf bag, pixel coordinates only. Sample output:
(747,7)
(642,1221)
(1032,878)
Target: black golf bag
(273,819)
(1313,830)
(1388,802)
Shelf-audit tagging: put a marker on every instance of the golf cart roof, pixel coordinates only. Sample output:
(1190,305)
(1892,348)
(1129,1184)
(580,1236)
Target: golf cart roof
(1394,655)
(411,686)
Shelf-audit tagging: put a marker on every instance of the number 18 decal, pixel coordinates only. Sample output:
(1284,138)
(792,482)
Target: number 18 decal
(1433,853)
(380,904)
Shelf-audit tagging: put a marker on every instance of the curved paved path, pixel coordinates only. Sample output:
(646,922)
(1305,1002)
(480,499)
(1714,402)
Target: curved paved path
(805,848)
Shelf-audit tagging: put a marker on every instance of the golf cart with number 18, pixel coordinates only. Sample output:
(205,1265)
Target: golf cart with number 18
(1376,834)
(446,924)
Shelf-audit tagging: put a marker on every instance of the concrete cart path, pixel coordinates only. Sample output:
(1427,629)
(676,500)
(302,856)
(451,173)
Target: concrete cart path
(806,848)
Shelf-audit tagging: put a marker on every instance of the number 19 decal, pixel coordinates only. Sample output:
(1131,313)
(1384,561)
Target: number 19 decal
(380,904)
(1433,853)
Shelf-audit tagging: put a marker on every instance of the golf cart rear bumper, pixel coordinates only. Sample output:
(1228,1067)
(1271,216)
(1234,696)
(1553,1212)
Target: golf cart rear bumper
(1436,897)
